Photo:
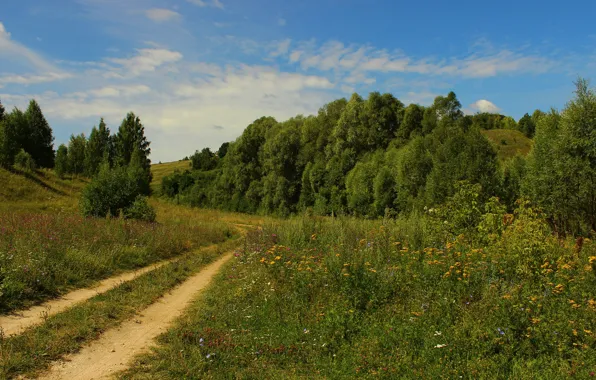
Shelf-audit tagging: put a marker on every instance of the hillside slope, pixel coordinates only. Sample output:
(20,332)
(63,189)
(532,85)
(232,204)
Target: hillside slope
(161,170)
(508,142)
(41,188)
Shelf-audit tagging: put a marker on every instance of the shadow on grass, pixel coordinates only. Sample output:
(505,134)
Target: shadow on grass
(38,181)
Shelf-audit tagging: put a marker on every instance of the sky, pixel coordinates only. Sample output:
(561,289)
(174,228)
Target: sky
(197,72)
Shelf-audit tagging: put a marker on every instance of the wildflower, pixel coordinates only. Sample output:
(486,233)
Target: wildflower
(438,333)
(501,332)
(592,259)
(558,289)
(278,258)
(306,331)
(373,270)
(262,259)
(535,321)
(201,342)
(313,237)
(440,345)
(271,263)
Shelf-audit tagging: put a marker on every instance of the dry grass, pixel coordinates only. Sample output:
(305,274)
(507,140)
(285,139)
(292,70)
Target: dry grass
(161,170)
(508,143)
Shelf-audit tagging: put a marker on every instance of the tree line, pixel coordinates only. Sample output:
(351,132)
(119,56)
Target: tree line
(376,156)
(118,164)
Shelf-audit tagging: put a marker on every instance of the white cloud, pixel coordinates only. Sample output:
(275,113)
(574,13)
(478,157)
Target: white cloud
(162,15)
(147,60)
(334,55)
(33,79)
(206,3)
(484,105)
(120,91)
(11,50)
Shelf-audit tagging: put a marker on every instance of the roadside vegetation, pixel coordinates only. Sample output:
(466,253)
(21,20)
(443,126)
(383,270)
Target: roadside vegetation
(65,333)
(406,298)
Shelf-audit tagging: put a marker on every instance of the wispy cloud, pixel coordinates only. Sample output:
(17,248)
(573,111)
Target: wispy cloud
(11,50)
(162,15)
(207,3)
(147,60)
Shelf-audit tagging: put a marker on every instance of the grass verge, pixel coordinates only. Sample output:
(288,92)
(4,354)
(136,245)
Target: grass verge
(47,254)
(313,298)
(65,333)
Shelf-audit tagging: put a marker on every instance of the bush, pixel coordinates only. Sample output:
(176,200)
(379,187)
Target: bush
(110,193)
(141,210)
(24,161)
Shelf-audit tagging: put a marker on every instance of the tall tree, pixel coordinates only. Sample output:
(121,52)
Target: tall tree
(130,138)
(2,112)
(41,140)
(223,150)
(76,154)
(97,147)
(12,125)
(61,163)
(527,125)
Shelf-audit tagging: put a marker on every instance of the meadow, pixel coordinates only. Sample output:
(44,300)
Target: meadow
(314,297)
(48,248)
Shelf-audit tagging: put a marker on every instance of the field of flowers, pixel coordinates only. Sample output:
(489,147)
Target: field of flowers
(44,254)
(342,297)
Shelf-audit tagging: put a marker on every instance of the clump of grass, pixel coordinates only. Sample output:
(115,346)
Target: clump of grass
(46,254)
(347,298)
(66,332)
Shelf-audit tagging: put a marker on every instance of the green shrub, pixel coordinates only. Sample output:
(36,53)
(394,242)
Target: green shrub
(24,161)
(110,193)
(141,210)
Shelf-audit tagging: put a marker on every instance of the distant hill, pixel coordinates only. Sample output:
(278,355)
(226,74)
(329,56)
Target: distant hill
(508,142)
(161,170)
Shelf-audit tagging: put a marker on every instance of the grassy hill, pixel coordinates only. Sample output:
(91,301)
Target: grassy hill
(161,170)
(508,143)
(39,189)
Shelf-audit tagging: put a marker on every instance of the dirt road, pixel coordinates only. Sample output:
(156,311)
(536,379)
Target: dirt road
(113,351)
(15,323)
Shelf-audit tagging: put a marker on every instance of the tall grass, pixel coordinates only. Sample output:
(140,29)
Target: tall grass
(44,254)
(342,297)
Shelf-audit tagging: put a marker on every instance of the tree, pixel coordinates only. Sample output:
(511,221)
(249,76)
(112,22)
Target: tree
(76,154)
(527,126)
(2,112)
(223,150)
(129,142)
(9,145)
(203,160)
(97,146)
(40,141)
(61,162)
(130,138)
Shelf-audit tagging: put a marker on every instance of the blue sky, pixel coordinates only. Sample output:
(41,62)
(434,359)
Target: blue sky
(198,72)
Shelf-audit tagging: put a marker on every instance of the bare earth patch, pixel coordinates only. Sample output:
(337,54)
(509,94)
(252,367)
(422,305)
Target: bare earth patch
(117,347)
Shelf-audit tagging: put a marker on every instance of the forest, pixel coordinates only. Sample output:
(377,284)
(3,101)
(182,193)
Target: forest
(376,157)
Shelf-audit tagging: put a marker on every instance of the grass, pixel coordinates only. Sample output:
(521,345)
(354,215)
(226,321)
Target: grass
(39,190)
(161,170)
(340,298)
(67,332)
(508,142)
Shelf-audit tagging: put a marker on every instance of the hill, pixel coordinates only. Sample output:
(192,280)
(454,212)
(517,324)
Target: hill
(161,170)
(41,188)
(508,142)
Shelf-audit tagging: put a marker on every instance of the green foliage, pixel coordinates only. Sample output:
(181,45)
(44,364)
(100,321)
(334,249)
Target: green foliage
(12,128)
(130,139)
(223,150)
(113,192)
(61,166)
(98,146)
(24,161)
(140,210)
(527,125)
(38,141)
(76,154)
(203,160)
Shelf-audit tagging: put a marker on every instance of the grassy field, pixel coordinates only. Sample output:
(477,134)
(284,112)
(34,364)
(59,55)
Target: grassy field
(508,143)
(161,170)
(47,248)
(321,298)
